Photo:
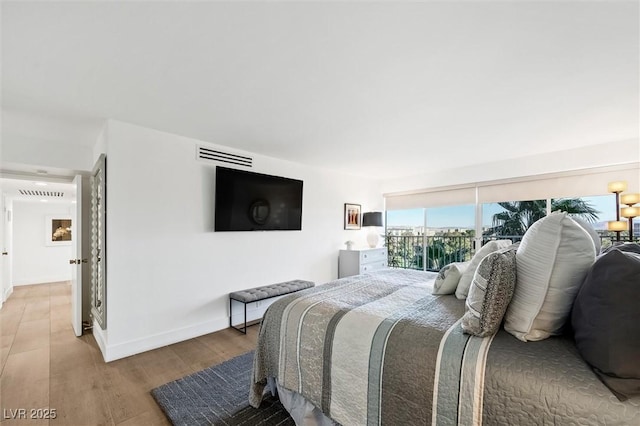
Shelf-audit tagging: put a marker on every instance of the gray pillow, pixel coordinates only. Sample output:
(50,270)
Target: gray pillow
(629,246)
(606,321)
(490,293)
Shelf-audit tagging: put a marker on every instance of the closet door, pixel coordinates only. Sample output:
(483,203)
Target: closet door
(98,242)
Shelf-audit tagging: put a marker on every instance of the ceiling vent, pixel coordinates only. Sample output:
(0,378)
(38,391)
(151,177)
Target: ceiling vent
(38,193)
(208,154)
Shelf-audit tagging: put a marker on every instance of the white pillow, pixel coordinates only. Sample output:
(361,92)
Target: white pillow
(592,232)
(465,280)
(448,277)
(552,261)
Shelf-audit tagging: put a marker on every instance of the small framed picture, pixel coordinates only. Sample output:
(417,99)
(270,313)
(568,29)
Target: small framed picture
(352,216)
(57,231)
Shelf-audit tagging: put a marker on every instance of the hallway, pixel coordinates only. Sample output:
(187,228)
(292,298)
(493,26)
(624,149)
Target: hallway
(44,366)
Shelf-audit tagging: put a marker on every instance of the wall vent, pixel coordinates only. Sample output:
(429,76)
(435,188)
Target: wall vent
(38,193)
(208,154)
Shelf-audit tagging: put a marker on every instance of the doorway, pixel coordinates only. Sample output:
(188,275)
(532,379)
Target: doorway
(42,232)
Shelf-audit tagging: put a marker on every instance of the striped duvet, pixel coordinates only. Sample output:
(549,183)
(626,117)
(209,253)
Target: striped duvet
(362,349)
(379,349)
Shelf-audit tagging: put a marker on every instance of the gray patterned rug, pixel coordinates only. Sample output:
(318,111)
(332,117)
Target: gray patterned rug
(219,395)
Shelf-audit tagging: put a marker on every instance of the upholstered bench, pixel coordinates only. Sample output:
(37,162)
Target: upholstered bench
(261,293)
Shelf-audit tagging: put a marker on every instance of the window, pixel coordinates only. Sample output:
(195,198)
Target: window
(510,219)
(449,236)
(404,232)
(428,239)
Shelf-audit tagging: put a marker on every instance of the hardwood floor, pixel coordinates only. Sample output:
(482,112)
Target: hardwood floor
(44,366)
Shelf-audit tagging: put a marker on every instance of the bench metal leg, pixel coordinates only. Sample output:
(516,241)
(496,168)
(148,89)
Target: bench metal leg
(244,330)
(241,330)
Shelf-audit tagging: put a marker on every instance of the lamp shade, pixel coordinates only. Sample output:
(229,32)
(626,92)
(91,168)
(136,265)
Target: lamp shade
(617,225)
(618,186)
(630,199)
(630,212)
(372,219)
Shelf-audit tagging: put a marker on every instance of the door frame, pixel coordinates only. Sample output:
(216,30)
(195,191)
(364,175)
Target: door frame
(77,261)
(6,242)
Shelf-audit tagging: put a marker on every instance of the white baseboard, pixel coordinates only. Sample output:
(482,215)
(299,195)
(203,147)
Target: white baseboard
(5,295)
(133,347)
(100,337)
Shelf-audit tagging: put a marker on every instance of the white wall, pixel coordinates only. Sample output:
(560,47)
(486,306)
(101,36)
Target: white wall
(168,273)
(21,150)
(100,146)
(45,141)
(33,261)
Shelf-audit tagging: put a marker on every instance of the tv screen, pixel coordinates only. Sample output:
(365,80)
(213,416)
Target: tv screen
(247,201)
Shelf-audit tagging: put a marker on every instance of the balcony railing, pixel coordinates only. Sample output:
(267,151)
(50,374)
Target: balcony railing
(427,252)
(431,253)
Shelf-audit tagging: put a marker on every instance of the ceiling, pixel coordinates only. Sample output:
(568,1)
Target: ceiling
(38,190)
(381,89)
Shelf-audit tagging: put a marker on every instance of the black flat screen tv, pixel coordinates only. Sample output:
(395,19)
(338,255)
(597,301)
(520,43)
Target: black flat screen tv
(248,201)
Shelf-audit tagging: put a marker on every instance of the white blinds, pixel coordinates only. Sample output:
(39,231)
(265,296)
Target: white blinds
(580,183)
(449,197)
(575,185)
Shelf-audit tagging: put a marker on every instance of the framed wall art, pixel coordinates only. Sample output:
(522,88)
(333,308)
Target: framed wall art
(57,231)
(352,216)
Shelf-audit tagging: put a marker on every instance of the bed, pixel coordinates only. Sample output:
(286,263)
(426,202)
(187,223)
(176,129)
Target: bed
(380,349)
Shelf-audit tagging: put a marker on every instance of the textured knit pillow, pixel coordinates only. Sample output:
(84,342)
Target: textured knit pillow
(606,321)
(448,277)
(552,260)
(465,280)
(490,293)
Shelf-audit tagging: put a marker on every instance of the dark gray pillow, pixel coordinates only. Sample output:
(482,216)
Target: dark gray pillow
(490,293)
(628,246)
(606,321)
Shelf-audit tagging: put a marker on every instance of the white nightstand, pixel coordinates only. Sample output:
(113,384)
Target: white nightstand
(354,262)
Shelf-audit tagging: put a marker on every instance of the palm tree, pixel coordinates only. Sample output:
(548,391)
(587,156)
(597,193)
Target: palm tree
(575,207)
(520,215)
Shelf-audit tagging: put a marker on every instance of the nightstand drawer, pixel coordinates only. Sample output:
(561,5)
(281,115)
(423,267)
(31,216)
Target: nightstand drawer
(374,266)
(373,255)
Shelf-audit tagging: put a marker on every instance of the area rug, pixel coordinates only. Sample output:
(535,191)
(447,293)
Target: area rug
(219,395)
